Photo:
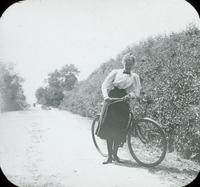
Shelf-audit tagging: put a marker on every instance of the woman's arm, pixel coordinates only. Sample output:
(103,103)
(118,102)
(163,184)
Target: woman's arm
(108,83)
(134,89)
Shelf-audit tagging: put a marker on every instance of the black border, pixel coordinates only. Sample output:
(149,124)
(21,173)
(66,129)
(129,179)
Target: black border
(4,4)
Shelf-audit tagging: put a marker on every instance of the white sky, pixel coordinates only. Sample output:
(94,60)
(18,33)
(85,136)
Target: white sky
(41,35)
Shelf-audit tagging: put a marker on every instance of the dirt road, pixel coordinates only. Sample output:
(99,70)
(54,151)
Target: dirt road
(54,148)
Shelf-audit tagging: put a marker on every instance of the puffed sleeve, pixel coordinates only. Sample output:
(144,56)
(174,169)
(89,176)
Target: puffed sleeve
(134,89)
(108,83)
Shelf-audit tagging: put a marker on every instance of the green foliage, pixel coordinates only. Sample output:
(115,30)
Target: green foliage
(11,91)
(63,79)
(170,75)
(84,97)
(58,82)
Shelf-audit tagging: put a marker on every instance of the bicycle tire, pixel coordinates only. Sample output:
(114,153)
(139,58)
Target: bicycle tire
(142,142)
(100,144)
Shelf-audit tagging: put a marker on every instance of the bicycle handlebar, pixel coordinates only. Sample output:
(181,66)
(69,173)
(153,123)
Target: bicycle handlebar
(145,100)
(116,100)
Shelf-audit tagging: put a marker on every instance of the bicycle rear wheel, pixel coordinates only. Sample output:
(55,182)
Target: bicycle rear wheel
(147,143)
(99,143)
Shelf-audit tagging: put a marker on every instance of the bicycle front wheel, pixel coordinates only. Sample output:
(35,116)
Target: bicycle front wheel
(147,143)
(99,143)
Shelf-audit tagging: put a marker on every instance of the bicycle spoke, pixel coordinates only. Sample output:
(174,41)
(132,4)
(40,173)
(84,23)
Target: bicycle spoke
(149,146)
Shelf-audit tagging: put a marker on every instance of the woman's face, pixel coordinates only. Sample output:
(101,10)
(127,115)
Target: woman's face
(128,65)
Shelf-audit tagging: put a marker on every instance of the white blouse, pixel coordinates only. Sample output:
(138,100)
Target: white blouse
(116,78)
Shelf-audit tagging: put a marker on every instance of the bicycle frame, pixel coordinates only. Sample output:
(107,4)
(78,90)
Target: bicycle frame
(135,129)
(132,123)
(131,118)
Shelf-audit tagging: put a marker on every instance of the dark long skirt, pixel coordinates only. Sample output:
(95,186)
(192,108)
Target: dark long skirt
(115,120)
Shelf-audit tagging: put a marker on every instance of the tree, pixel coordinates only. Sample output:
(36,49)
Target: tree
(58,82)
(40,95)
(11,91)
(63,79)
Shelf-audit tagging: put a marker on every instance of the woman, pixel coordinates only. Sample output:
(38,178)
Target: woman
(119,83)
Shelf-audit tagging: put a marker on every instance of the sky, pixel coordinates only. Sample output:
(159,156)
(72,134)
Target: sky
(39,36)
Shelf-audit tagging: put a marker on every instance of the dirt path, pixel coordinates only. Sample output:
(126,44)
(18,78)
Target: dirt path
(54,148)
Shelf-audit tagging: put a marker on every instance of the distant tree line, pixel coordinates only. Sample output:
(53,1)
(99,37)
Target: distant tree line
(57,83)
(11,92)
(170,75)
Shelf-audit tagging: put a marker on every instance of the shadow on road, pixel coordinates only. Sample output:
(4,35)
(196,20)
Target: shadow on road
(167,169)
(172,170)
(128,163)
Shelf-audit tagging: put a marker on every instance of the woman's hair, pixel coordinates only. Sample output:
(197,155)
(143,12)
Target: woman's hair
(128,58)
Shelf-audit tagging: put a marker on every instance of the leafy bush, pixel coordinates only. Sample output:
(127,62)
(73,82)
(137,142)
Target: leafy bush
(170,76)
(11,91)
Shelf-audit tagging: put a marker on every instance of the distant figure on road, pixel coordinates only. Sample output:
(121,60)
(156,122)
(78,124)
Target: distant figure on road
(34,105)
(119,83)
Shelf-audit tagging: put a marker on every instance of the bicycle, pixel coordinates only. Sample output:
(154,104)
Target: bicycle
(146,140)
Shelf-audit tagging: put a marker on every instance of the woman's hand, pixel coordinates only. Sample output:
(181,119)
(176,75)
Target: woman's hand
(110,99)
(107,99)
(127,97)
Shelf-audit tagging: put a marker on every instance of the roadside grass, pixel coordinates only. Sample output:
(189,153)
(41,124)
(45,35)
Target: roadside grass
(174,169)
(177,170)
